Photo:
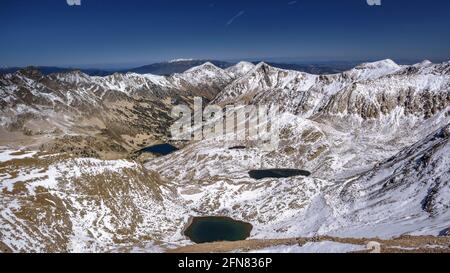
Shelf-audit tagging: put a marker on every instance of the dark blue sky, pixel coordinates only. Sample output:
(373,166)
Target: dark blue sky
(111,33)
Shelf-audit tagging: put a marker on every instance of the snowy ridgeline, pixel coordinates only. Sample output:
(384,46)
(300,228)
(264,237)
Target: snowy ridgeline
(368,90)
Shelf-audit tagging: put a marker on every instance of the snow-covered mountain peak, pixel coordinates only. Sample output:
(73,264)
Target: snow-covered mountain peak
(373,70)
(206,80)
(76,73)
(263,68)
(387,63)
(133,74)
(240,69)
(262,79)
(206,66)
(72,77)
(180,60)
(424,63)
(262,65)
(242,65)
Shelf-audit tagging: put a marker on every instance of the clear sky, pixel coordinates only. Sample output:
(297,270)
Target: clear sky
(102,33)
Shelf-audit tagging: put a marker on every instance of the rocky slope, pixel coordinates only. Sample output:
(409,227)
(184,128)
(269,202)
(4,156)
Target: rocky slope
(369,90)
(130,109)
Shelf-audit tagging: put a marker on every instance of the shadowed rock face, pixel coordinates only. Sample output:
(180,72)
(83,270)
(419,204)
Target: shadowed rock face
(4,248)
(277,173)
(445,232)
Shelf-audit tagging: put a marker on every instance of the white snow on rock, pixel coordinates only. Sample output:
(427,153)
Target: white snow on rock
(240,69)
(7,155)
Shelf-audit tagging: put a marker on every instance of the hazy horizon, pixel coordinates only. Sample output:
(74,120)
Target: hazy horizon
(286,60)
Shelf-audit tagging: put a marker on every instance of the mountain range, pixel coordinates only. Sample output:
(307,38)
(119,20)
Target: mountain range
(375,138)
(182,65)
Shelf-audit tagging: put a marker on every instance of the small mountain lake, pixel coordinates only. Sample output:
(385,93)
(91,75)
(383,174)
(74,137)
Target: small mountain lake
(237,148)
(217,229)
(160,149)
(277,173)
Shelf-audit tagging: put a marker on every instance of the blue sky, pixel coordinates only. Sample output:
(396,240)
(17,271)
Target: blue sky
(111,33)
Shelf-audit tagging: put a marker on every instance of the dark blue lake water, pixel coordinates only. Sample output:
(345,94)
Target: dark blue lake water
(217,229)
(237,148)
(160,149)
(277,173)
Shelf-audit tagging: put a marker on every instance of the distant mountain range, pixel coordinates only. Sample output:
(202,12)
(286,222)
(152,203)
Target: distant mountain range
(47,70)
(172,67)
(181,66)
